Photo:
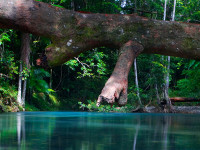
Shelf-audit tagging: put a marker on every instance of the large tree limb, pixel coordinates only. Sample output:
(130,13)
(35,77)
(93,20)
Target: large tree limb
(116,87)
(73,32)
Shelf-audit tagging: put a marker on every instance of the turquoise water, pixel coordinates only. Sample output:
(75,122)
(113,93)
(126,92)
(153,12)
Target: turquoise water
(98,131)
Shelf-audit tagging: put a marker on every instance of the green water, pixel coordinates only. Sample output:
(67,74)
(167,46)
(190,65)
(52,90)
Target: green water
(98,131)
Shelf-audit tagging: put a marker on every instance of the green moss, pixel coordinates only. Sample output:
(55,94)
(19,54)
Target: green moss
(131,31)
(188,43)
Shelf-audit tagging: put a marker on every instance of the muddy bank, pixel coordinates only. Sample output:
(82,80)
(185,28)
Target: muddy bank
(176,109)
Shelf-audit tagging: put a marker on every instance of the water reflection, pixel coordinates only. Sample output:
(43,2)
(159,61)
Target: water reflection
(98,131)
(21,131)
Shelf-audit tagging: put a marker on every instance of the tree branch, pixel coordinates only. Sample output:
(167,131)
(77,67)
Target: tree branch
(73,33)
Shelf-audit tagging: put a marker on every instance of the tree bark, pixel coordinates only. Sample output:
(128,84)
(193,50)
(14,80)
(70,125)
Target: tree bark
(115,88)
(25,57)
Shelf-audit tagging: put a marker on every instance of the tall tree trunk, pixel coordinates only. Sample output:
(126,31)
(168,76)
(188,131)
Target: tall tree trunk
(167,83)
(135,67)
(164,91)
(166,75)
(25,54)
(136,82)
(169,105)
(19,95)
(165,10)
(24,91)
(174,10)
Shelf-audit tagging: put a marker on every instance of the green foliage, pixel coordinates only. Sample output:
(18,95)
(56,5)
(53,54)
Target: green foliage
(37,82)
(8,66)
(89,64)
(8,96)
(91,106)
(4,37)
(8,72)
(190,85)
(43,96)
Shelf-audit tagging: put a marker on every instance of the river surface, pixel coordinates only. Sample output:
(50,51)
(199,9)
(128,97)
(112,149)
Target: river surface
(98,131)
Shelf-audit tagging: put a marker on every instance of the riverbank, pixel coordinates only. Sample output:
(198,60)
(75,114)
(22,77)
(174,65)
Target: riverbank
(177,109)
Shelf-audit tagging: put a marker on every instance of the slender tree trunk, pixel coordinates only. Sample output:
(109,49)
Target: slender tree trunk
(136,82)
(166,75)
(165,83)
(165,8)
(25,54)
(169,105)
(24,91)
(174,10)
(19,95)
(135,66)
(25,57)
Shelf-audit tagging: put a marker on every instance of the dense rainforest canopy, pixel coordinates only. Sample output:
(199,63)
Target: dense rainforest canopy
(78,82)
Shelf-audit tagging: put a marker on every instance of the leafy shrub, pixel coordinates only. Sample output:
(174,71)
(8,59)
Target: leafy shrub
(91,106)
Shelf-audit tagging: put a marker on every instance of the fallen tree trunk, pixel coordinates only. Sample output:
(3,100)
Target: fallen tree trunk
(73,33)
(184,99)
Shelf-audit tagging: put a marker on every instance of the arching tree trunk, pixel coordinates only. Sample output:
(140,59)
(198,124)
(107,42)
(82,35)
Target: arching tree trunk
(72,33)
